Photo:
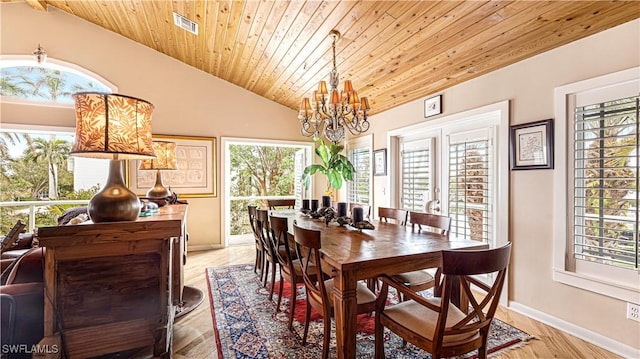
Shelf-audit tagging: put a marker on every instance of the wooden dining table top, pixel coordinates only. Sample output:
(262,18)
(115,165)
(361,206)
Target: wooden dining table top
(389,248)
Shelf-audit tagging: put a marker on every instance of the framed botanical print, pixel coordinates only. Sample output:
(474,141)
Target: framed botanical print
(531,145)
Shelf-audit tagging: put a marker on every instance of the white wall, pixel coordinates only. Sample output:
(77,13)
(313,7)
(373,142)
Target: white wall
(529,86)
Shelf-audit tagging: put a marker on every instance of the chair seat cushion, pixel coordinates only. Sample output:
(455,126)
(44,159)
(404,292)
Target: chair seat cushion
(363,294)
(422,320)
(414,278)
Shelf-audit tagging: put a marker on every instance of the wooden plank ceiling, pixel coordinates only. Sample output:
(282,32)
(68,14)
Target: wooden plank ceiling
(393,51)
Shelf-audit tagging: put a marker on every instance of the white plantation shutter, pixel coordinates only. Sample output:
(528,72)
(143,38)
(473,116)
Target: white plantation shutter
(604,204)
(358,190)
(416,171)
(300,164)
(470,192)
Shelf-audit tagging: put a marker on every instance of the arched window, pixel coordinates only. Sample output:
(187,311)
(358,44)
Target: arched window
(50,83)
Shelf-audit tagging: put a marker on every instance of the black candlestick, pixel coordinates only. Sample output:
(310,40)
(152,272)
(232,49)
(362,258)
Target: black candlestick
(314,205)
(305,203)
(326,201)
(342,209)
(357,214)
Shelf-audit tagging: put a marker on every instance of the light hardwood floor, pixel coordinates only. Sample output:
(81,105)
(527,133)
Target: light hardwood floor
(194,336)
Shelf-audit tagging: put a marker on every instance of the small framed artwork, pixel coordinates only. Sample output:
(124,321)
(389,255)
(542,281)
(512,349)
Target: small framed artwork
(433,106)
(380,162)
(531,145)
(196,173)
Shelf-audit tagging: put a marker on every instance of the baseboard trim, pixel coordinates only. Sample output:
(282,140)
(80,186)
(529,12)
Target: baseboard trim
(577,331)
(203,247)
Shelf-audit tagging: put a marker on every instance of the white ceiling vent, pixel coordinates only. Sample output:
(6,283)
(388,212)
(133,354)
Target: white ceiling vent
(183,22)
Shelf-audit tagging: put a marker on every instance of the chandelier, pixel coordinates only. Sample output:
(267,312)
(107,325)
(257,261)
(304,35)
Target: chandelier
(332,112)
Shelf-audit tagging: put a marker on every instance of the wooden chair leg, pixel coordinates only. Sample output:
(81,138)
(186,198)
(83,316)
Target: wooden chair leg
(280,292)
(327,337)
(265,271)
(292,303)
(307,318)
(379,335)
(255,265)
(273,280)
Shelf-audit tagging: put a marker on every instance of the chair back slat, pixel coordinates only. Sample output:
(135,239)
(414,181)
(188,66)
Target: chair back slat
(279,236)
(457,268)
(263,230)
(437,222)
(399,215)
(308,250)
(281,204)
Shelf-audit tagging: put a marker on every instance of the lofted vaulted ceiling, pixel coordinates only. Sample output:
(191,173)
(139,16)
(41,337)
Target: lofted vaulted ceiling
(393,51)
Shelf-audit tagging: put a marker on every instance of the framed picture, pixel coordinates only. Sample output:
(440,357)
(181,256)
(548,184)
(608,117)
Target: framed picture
(433,106)
(380,162)
(196,173)
(531,145)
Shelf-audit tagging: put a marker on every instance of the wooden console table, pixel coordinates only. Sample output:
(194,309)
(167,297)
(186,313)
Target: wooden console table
(112,287)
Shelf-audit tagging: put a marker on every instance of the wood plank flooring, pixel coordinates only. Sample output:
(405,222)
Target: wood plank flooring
(194,336)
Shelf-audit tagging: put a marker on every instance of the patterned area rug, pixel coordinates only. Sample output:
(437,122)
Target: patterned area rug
(247,325)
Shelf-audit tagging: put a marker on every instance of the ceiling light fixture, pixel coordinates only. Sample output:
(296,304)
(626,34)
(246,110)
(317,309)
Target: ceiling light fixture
(40,55)
(332,112)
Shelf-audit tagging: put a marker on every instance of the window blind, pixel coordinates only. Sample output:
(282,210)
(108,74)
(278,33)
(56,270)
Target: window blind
(469,197)
(416,175)
(605,181)
(358,189)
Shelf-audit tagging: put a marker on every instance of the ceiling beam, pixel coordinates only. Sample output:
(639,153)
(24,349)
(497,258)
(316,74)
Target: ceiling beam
(37,4)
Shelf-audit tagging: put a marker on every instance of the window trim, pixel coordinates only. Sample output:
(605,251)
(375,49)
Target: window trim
(562,95)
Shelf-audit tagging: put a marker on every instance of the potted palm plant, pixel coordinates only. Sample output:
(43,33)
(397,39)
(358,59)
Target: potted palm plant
(335,166)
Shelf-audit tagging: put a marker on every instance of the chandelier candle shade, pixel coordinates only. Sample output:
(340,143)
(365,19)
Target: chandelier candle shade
(332,112)
(165,160)
(114,127)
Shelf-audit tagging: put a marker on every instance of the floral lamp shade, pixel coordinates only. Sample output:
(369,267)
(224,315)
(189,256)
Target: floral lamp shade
(165,157)
(112,126)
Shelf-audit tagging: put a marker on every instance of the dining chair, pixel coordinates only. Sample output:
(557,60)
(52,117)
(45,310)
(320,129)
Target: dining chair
(434,222)
(399,215)
(252,210)
(281,204)
(366,209)
(270,259)
(421,279)
(320,292)
(434,324)
(290,267)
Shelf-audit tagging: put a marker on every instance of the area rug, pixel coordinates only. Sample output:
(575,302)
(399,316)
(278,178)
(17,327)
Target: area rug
(247,325)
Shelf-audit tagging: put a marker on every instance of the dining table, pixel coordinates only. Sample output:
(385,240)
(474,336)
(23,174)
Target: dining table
(355,254)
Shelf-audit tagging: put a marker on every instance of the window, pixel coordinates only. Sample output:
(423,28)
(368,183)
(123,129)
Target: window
(470,181)
(50,83)
(254,172)
(359,153)
(416,173)
(597,248)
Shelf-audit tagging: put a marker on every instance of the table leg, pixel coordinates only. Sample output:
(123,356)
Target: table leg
(345,310)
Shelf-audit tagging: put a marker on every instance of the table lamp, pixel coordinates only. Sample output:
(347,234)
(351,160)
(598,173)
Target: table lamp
(115,127)
(165,160)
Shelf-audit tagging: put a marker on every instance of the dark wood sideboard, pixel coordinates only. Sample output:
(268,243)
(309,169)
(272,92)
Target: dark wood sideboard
(112,287)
